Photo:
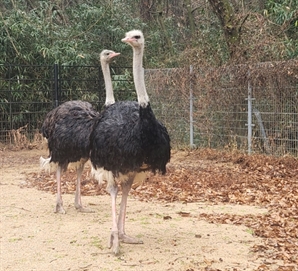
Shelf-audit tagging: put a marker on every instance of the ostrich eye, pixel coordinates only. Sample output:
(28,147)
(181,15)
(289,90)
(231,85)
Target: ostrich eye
(137,37)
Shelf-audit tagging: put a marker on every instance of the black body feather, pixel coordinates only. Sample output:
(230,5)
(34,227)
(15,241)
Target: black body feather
(68,128)
(126,137)
(155,140)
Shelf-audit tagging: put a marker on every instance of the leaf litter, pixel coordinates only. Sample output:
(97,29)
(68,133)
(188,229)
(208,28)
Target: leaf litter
(219,177)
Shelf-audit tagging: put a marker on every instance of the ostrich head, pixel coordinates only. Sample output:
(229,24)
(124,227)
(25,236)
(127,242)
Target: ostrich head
(108,55)
(134,38)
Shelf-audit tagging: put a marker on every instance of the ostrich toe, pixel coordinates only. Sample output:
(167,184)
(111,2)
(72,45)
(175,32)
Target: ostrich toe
(114,242)
(130,240)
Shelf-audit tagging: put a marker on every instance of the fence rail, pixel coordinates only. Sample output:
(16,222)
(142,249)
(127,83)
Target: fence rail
(254,109)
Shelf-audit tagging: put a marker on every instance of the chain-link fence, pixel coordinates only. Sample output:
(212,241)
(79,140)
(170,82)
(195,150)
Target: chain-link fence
(27,93)
(251,108)
(168,91)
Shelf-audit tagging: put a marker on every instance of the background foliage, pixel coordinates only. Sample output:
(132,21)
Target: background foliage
(208,35)
(74,31)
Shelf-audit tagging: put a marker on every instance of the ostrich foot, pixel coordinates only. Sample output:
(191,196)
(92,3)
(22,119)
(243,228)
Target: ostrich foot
(114,242)
(129,240)
(82,209)
(59,209)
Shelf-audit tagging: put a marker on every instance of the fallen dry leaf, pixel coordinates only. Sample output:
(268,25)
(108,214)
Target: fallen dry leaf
(220,177)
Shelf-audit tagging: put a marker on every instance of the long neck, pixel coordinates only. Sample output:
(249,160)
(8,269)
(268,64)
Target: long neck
(108,83)
(138,77)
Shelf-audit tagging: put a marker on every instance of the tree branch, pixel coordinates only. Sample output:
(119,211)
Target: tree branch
(8,35)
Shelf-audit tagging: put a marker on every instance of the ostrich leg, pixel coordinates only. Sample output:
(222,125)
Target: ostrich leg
(59,203)
(114,238)
(78,201)
(126,186)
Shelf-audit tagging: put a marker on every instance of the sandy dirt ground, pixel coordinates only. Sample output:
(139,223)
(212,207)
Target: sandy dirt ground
(33,237)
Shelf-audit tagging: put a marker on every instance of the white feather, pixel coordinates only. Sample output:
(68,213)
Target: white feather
(46,165)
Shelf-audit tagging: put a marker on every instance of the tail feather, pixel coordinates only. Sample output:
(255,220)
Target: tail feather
(45,164)
(102,175)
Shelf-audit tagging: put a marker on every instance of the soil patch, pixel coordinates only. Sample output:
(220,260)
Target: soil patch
(211,211)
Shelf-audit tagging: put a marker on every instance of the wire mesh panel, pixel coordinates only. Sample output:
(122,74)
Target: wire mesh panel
(81,83)
(221,107)
(220,116)
(86,83)
(275,109)
(25,96)
(28,93)
(168,90)
(216,100)
(276,122)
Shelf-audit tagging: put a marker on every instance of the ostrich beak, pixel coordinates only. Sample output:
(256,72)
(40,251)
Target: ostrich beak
(114,55)
(127,40)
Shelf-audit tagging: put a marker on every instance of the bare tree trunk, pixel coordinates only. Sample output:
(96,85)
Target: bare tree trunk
(160,18)
(190,18)
(230,24)
(145,10)
(158,10)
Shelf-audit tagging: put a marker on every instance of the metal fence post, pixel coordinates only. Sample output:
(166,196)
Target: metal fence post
(249,116)
(262,130)
(10,97)
(56,84)
(191,109)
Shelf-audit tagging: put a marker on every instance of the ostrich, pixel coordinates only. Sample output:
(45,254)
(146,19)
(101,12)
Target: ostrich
(67,129)
(127,141)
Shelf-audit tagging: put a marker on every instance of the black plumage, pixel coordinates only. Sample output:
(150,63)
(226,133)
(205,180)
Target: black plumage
(68,128)
(126,141)
(155,140)
(128,138)
(116,127)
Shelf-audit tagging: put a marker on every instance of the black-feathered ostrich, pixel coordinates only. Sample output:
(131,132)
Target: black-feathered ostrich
(127,141)
(68,128)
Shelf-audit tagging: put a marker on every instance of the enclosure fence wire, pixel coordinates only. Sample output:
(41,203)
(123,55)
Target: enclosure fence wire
(219,102)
